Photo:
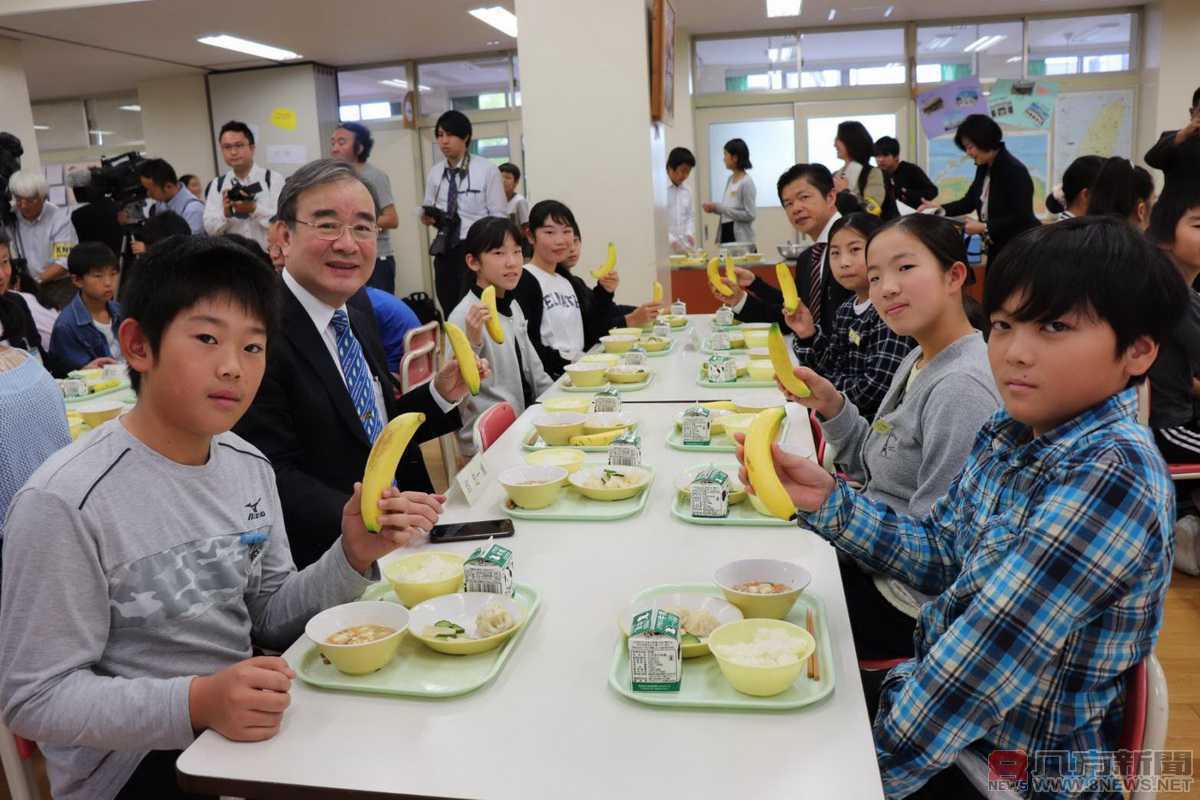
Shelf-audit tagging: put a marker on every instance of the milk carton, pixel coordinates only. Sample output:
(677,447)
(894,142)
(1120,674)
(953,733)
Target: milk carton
(721,369)
(710,494)
(724,316)
(696,425)
(678,308)
(635,355)
(655,654)
(607,400)
(720,340)
(489,569)
(626,450)
(662,328)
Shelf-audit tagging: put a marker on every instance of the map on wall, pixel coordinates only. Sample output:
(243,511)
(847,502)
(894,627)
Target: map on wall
(952,171)
(1092,123)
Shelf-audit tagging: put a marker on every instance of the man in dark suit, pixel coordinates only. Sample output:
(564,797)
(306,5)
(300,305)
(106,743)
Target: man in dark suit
(1177,153)
(902,180)
(807,195)
(327,393)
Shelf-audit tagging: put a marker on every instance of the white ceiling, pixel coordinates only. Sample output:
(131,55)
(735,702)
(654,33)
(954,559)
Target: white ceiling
(96,50)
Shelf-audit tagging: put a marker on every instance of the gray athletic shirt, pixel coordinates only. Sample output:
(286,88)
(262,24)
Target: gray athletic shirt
(125,575)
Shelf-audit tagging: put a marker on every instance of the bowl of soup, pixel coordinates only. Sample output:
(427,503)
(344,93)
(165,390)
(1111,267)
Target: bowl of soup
(557,427)
(763,588)
(533,486)
(359,638)
(586,373)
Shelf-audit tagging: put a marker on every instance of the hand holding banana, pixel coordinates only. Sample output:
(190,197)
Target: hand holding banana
(403,518)
(783,481)
(477,316)
(465,372)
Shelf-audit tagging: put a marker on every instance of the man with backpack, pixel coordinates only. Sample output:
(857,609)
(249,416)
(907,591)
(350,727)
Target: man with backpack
(242,200)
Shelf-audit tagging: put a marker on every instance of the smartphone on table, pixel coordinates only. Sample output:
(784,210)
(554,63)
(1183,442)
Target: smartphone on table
(467,531)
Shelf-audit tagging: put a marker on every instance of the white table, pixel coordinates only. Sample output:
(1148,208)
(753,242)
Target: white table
(550,726)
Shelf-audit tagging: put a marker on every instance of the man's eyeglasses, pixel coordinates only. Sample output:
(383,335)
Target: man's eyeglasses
(235,145)
(332,231)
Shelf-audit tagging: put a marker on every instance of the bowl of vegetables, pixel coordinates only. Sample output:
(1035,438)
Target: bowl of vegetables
(466,623)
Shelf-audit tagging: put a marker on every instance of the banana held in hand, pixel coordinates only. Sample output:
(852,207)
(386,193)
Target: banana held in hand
(787,285)
(760,464)
(730,274)
(656,296)
(784,372)
(721,405)
(610,262)
(714,277)
(464,355)
(596,439)
(382,463)
(488,296)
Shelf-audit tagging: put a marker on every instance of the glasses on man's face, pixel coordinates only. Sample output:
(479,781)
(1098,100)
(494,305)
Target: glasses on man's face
(235,145)
(330,231)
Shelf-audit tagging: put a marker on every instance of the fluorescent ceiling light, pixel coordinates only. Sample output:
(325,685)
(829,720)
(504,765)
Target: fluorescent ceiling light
(832,14)
(1013,60)
(938,42)
(101,133)
(396,83)
(41,127)
(780,54)
(498,17)
(132,107)
(888,11)
(983,43)
(784,8)
(248,47)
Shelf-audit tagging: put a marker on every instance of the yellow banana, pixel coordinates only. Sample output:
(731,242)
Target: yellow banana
(464,355)
(488,296)
(730,275)
(760,464)
(381,464)
(784,372)
(609,263)
(714,277)
(787,285)
(720,405)
(657,295)
(595,439)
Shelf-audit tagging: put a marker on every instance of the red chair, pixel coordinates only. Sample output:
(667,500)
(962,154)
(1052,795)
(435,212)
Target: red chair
(491,425)
(16,754)
(427,334)
(417,367)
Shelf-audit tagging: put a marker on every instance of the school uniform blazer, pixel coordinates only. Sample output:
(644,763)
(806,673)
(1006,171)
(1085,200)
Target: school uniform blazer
(764,302)
(1010,200)
(908,184)
(1177,161)
(303,420)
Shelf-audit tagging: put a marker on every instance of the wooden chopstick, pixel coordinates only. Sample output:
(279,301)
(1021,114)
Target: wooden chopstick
(814,666)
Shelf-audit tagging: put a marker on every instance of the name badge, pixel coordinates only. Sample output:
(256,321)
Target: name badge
(855,338)
(881,426)
(61,250)
(472,478)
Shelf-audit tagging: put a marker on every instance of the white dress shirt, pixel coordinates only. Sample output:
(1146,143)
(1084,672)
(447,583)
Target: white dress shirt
(253,227)
(822,239)
(322,318)
(38,241)
(682,230)
(480,191)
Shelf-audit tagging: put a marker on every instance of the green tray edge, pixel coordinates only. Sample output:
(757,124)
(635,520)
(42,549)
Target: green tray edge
(765,522)
(530,448)
(738,384)
(675,441)
(377,590)
(539,514)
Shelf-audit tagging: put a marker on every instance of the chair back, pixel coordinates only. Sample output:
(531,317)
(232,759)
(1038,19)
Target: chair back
(417,367)
(491,425)
(427,334)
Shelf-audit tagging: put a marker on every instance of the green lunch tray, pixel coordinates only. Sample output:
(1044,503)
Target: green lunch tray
(574,507)
(533,441)
(620,387)
(416,670)
(740,383)
(704,686)
(660,353)
(742,515)
(731,351)
(106,394)
(721,443)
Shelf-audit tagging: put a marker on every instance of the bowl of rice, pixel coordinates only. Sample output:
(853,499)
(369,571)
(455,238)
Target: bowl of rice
(763,588)
(761,657)
(421,576)
(610,483)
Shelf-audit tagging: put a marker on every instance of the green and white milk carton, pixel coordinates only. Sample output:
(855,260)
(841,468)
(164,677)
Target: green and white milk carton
(696,425)
(724,316)
(710,494)
(489,569)
(607,400)
(662,328)
(655,652)
(635,356)
(721,369)
(626,449)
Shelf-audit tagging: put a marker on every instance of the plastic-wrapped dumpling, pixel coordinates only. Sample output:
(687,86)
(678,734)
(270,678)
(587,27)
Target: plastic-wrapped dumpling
(493,619)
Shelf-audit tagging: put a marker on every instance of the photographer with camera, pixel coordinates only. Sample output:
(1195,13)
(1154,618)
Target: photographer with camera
(243,200)
(42,237)
(95,216)
(162,185)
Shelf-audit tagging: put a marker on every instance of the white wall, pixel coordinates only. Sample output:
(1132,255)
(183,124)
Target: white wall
(1178,67)
(175,124)
(396,154)
(16,116)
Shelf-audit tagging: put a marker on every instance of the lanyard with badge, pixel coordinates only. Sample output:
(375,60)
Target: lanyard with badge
(449,234)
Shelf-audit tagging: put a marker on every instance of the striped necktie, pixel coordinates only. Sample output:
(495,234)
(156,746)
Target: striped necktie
(358,376)
(815,280)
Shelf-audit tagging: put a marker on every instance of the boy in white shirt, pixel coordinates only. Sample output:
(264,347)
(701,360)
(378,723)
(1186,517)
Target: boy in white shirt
(682,232)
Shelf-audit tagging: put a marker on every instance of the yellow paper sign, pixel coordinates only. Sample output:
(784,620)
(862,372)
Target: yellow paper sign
(284,118)
(60,251)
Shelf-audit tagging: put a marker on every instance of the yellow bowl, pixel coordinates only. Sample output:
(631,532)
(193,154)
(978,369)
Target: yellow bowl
(760,400)
(737,492)
(578,478)
(655,345)
(618,344)
(461,609)
(625,331)
(676,320)
(578,405)
(625,373)
(607,359)
(755,338)
(568,458)
(401,572)
(755,680)
(760,370)
(99,412)
(765,606)
(586,374)
(605,421)
(533,487)
(359,659)
(737,340)
(558,427)
(736,423)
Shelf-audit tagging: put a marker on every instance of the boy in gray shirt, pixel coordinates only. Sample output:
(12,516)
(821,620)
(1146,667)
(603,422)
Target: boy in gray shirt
(142,561)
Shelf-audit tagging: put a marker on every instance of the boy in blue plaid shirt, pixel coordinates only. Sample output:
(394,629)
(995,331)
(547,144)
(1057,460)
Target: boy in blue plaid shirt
(1051,552)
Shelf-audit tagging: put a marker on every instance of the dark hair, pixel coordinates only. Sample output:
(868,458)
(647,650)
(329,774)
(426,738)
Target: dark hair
(982,130)
(1112,191)
(1177,199)
(551,210)
(1196,97)
(859,146)
(157,171)
(87,256)
(887,146)
(489,233)
(1077,177)
(740,152)
(162,226)
(19,276)
(816,174)
(236,126)
(860,222)
(509,168)
(251,245)
(940,236)
(364,142)
(680,156)
(179,272)
(1143,184)
(1095,265)
(454,123)
(186,179)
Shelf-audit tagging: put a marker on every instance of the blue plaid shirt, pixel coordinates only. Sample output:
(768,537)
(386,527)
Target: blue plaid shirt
(1050,558)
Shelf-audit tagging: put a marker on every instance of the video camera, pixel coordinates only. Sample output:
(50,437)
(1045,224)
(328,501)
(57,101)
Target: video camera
(116,178)
(239,193)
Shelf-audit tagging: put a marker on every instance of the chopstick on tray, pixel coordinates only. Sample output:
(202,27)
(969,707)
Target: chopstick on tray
(814,666)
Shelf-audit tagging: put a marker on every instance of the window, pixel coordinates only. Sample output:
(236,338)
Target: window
(772,145)
(372,94)
(951,52)
(113,122)
(467,84)
(858,58)
(1074,45)
(821,131)
(749,64)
